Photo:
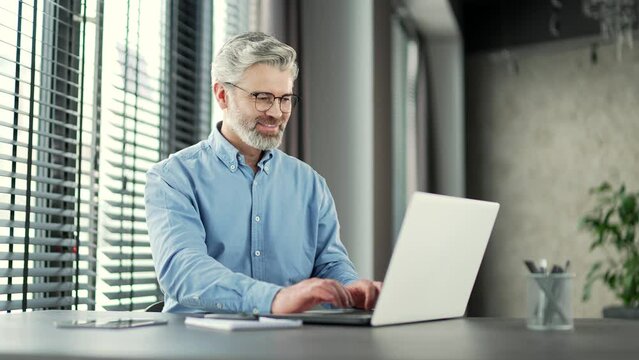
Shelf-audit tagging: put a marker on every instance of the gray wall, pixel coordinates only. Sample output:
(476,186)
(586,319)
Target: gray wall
(337,65)
(538,140)
(382,176)
(446,83)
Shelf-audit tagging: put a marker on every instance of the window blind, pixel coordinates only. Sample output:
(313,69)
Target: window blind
(157,99)
(49,68)
(190,80)
(135,103)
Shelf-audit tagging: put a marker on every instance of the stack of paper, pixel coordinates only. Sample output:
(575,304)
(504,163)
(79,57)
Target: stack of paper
(231,325)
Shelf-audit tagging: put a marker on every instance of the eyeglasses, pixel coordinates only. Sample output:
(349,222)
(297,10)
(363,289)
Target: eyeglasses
(264,101)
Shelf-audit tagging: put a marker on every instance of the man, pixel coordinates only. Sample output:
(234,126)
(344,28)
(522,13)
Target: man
(235,224)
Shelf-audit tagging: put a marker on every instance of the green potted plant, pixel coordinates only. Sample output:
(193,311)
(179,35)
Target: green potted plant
(613,223)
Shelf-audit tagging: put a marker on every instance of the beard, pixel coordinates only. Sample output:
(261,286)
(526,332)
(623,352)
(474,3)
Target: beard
(246,129)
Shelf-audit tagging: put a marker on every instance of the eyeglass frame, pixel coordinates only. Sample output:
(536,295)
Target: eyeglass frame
(255,94)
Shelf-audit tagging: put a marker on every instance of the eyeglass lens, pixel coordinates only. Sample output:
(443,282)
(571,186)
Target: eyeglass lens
(264,101)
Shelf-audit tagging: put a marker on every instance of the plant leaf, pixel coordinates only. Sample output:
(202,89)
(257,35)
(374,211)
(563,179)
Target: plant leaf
(590,279)
(613,224)
(605,186)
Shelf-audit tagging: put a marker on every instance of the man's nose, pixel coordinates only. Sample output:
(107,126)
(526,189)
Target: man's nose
(275,110)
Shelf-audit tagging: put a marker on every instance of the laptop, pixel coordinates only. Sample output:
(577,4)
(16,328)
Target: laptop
(434,265)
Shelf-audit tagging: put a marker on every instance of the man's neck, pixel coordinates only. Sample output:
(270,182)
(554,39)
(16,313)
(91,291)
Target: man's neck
(251,155)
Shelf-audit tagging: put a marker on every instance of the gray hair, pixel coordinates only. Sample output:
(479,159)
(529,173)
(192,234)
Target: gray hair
(245,50)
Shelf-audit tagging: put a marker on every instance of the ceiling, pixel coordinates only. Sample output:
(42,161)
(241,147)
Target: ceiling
(434,18)
(498,24)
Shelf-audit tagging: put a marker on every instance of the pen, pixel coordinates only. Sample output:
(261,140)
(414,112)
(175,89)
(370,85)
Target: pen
(543,265)
(542,309)
(531,266)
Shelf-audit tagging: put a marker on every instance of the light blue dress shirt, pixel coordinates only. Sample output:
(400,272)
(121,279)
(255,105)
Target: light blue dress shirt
(225,238)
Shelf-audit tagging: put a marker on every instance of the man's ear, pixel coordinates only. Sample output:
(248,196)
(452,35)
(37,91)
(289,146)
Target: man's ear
(220,95)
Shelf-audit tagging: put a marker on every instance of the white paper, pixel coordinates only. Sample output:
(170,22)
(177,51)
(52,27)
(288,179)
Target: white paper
(232,325)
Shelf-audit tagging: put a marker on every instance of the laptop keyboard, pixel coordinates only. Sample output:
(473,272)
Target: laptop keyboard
(339,312)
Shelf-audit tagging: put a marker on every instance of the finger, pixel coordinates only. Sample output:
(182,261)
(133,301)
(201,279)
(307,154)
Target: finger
(328,294)
(378,285)
(305,304)
(344,295)
(334,288)
(367,295)
(357,295)
(307,296)
(322,298)
(349,298)
(376,297)
(351,301)
(370,296)
(318,295)
(288,300)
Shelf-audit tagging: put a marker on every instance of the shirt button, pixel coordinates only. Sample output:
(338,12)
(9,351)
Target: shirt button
(219,306)
(256,311)
(232,167)
(257,219)
(258,253)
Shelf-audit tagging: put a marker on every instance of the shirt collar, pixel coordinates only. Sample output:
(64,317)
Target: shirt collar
(230,156)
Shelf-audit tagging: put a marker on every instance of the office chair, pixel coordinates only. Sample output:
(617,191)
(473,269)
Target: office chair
(155,307)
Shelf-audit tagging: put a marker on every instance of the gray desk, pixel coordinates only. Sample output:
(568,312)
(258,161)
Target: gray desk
(34,336)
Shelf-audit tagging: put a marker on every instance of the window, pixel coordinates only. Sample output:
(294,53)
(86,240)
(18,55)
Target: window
(156,101)
(405,62)
(49,67)
(232,17)
(83,114)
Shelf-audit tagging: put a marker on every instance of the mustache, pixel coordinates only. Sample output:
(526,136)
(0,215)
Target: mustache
(268,120)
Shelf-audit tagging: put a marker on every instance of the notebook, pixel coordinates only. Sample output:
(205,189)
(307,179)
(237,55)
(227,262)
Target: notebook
(235,325)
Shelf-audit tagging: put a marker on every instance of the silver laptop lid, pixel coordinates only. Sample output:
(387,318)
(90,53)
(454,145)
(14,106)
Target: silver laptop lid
(436,259)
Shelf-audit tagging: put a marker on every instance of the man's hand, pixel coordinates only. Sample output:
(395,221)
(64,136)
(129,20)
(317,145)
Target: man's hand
(364,293)
(308,293)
